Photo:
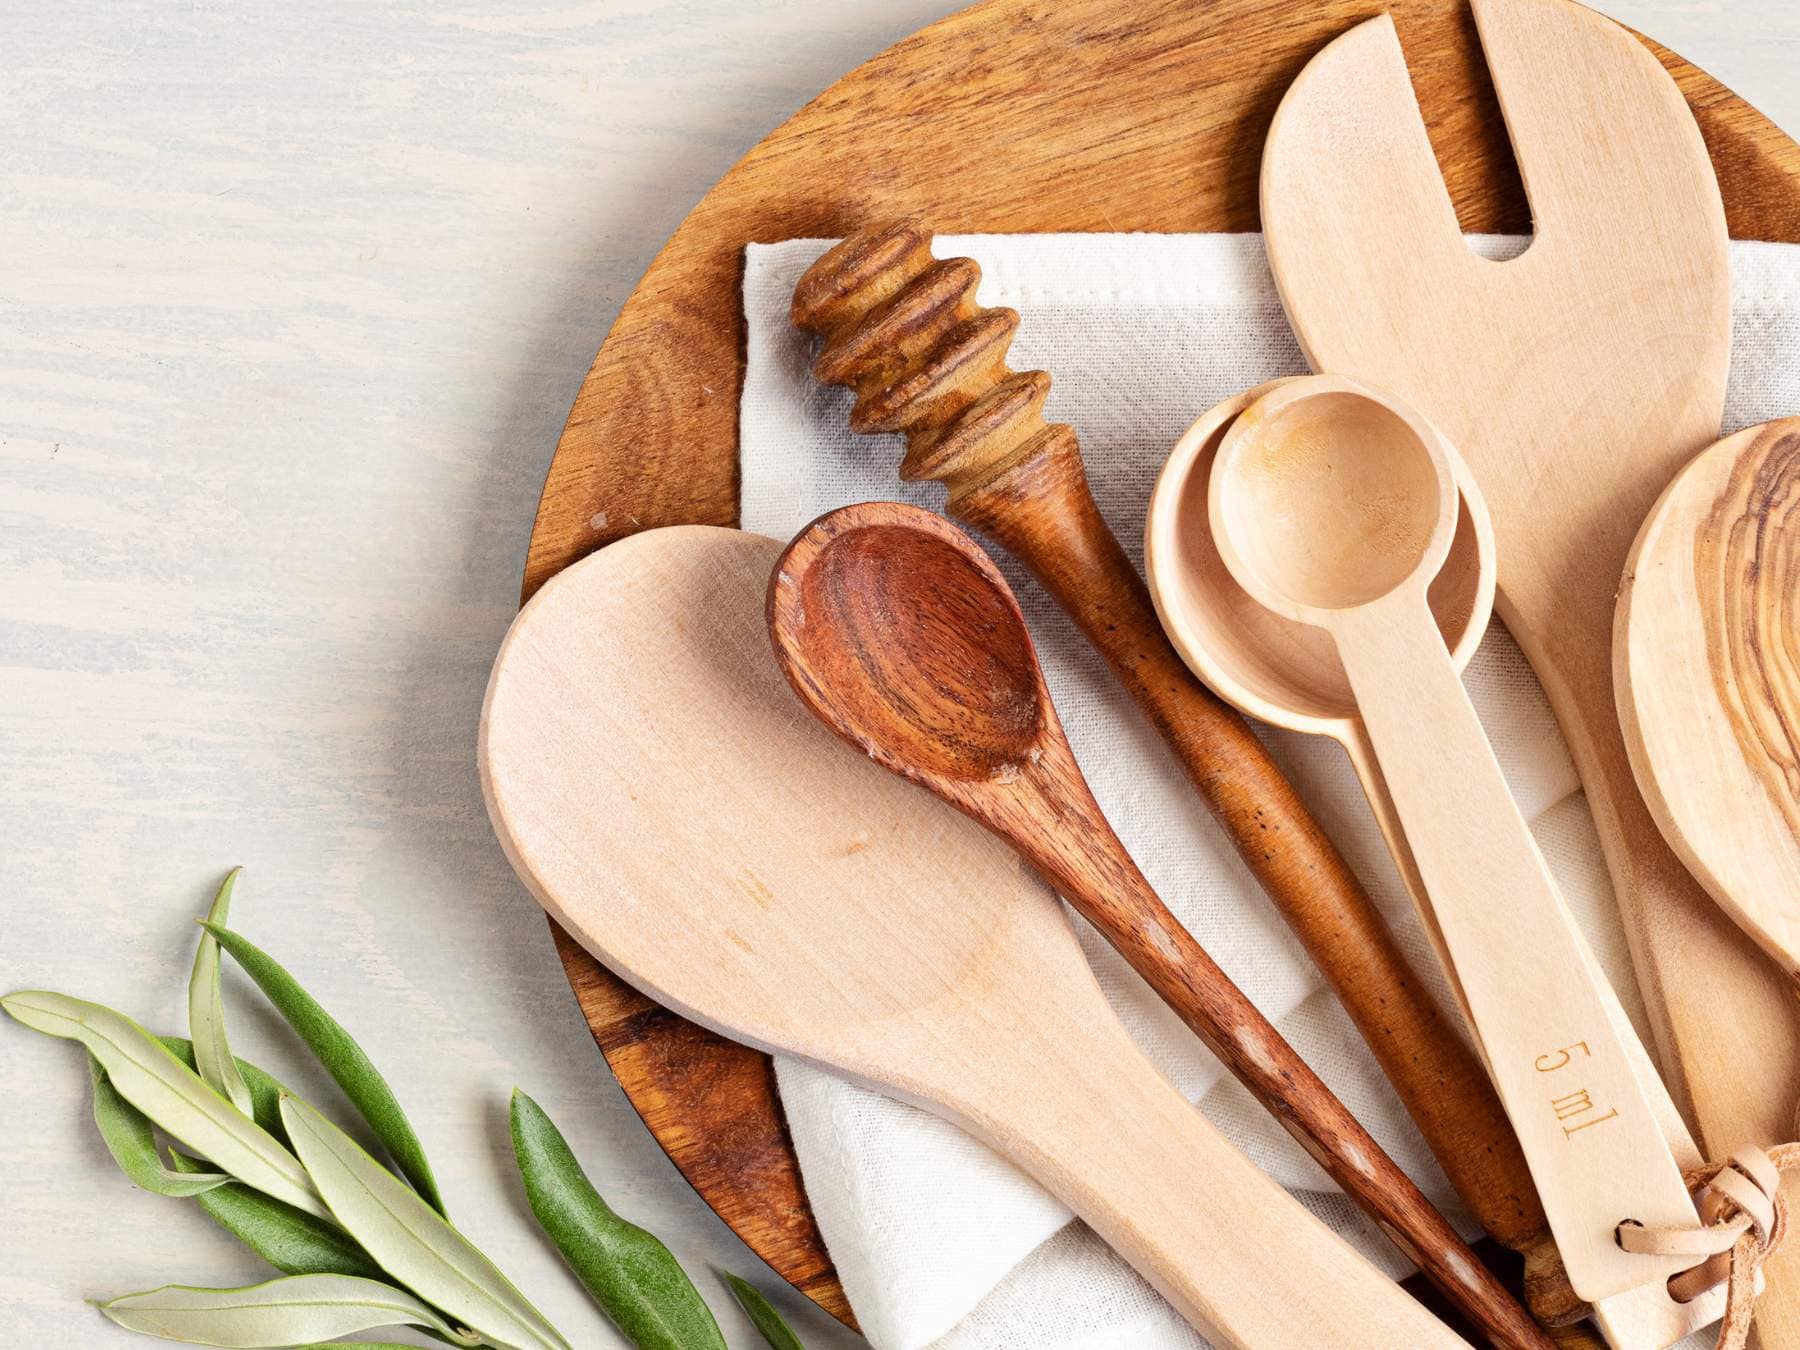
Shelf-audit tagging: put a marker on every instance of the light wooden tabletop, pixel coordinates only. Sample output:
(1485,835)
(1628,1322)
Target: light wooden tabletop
(294,301)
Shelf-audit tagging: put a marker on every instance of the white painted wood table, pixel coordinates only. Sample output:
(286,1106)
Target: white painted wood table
(293,299)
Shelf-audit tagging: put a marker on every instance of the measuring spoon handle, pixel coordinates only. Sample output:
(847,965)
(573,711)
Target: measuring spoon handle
(1588,1129)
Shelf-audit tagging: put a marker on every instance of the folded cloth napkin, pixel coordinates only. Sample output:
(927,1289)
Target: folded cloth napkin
(938,1241)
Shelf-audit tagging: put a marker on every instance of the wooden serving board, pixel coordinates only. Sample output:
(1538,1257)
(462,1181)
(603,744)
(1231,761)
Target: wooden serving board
(1014,116)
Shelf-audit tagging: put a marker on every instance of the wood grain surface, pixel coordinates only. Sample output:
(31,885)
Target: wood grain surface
(1708,672)
(1011,116)
(1744,559)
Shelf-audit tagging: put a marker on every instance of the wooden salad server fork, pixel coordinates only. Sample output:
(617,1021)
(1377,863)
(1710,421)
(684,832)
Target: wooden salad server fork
(1576,380)
(663,794)
(900,634)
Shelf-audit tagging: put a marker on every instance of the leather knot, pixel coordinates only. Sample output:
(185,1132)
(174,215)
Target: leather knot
(1743,1220)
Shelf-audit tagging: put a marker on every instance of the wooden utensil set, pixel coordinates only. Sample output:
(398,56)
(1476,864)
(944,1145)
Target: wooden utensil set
(1320,554)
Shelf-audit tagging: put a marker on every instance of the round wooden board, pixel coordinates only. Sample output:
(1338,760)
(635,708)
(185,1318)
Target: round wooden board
(1017,116)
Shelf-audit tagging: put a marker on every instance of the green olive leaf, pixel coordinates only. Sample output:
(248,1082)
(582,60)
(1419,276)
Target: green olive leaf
(342,1057)
(279,1313)
(265,1091)
(409,1239)
(148,1076)
(291,1240)
(630,1273)
(206,1009)
(762,1315)
(129,1137)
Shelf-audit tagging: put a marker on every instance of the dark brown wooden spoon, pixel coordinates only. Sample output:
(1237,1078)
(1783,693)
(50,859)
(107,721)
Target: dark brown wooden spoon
(900,634)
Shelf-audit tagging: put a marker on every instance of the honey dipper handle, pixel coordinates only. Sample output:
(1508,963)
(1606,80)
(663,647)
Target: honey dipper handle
(1044,514)
(1088,865)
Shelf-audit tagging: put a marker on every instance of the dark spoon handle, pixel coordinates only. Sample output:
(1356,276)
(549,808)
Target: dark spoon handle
(1082,857)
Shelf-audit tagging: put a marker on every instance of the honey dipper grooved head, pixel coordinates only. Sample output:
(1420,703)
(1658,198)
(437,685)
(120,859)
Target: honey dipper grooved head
(903,330)
(859,273)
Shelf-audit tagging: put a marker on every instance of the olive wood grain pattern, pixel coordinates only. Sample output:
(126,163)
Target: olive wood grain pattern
(662,793)
(901,635)
(1013,115)
(902,328)
(1707,662)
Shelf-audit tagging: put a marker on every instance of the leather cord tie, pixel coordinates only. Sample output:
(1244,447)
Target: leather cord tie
(1744,1220)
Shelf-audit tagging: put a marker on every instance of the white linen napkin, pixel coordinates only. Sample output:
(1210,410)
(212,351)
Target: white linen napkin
(938,1241)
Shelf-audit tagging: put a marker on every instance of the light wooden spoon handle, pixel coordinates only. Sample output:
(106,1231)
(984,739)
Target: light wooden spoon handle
(1589,1130)
(1648,1315)
(1234,1253)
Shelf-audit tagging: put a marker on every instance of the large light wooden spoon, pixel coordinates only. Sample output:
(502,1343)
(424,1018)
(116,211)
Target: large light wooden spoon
(1335,507)
(901,635)
(662,793)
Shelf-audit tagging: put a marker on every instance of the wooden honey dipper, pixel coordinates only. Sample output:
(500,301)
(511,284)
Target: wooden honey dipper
(902,329)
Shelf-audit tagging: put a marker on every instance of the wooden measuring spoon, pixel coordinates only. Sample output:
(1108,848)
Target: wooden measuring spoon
(664,796)
(1288,674)
(901,635)
(1335,508)
(1707,664)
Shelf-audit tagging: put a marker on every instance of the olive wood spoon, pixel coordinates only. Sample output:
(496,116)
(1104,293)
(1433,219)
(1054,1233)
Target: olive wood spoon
(1335,507)
(899,633)
(663,794)
(1706,664)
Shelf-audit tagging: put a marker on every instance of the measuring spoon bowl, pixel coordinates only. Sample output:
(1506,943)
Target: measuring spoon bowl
(1326,498)
(1271,667)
